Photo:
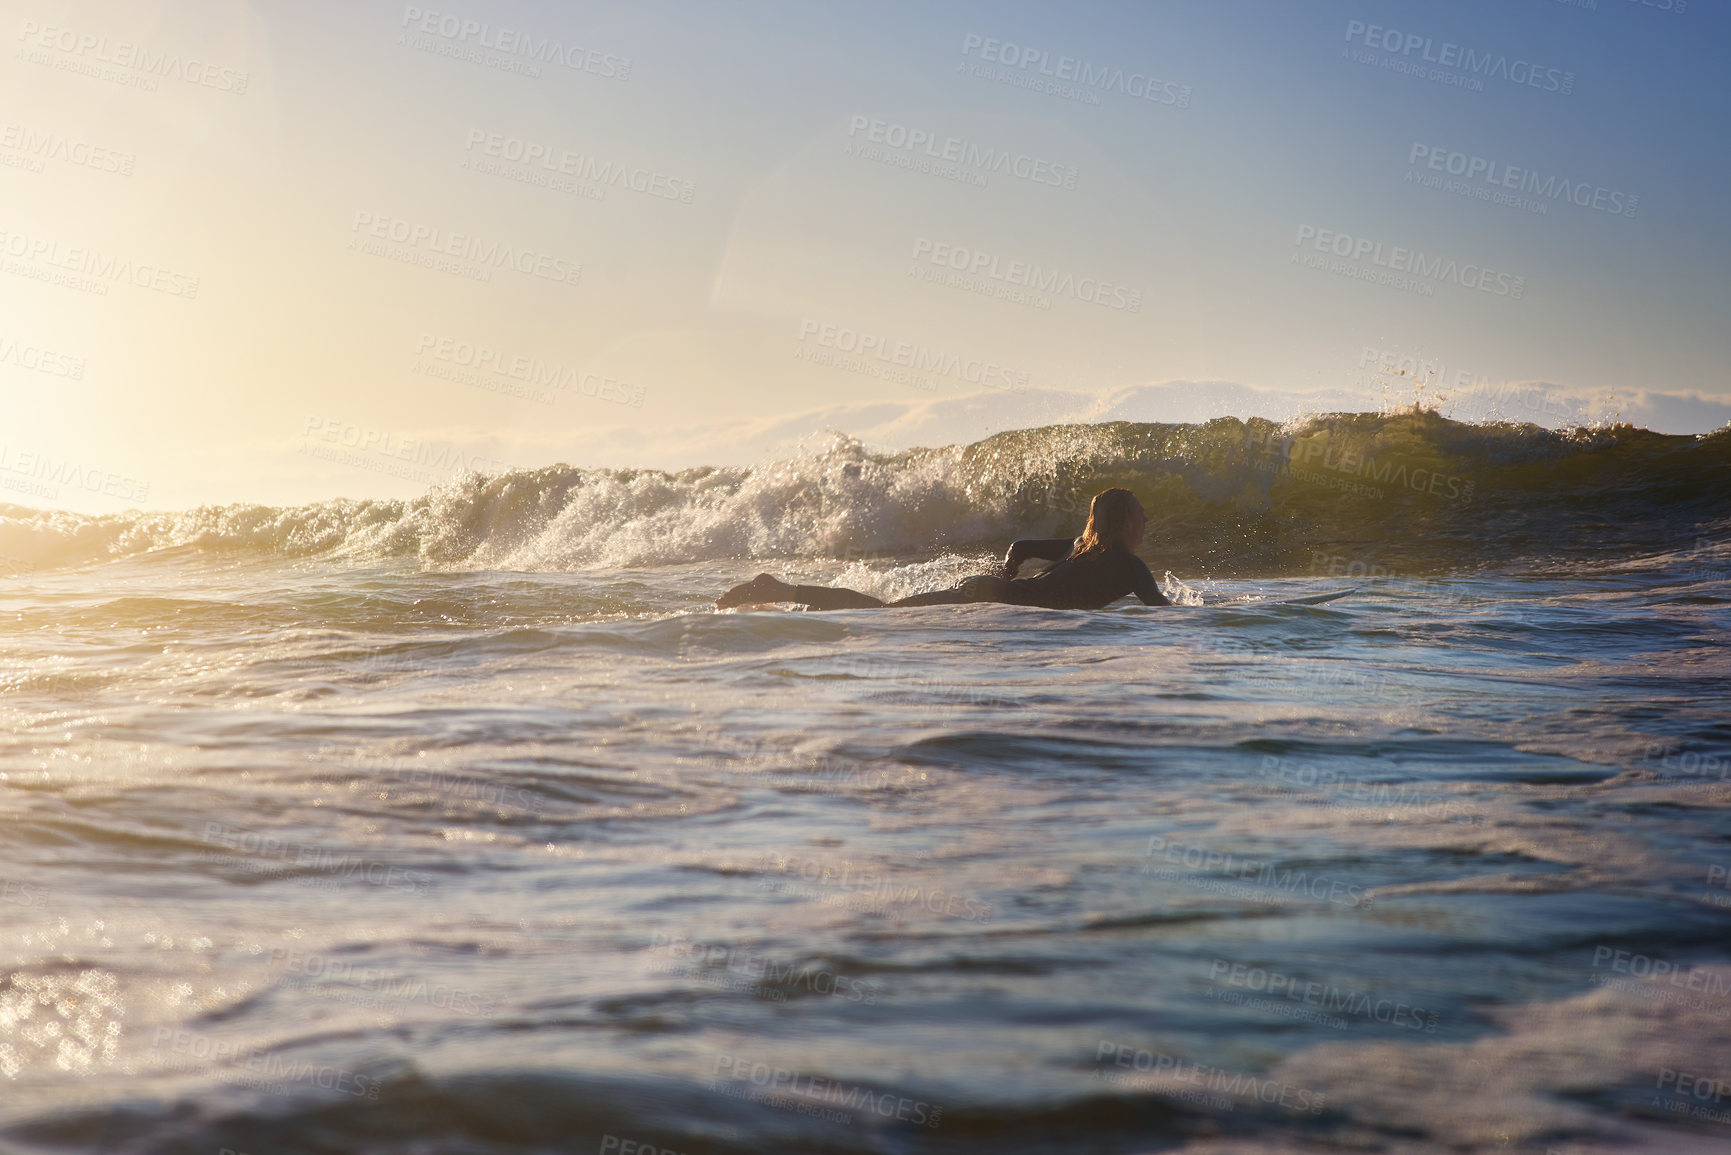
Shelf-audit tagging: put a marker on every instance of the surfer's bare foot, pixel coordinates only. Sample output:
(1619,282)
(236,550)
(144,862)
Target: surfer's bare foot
(762,588)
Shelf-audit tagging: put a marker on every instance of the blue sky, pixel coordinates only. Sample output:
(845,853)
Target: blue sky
(1315,196)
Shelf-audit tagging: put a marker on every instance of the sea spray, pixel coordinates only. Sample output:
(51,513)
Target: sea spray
(1226,498)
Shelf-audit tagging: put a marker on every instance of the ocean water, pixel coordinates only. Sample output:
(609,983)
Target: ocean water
(465,824)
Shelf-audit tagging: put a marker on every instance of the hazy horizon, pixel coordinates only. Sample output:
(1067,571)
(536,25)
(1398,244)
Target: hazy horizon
(642,235)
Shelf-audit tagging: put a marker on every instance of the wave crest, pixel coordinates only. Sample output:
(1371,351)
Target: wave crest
(1225,497)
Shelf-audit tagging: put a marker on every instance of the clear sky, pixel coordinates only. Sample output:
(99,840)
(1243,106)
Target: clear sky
(236,233)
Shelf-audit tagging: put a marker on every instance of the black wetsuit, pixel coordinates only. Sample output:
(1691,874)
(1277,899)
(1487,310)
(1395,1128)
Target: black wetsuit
(1089,582)
(1094,580)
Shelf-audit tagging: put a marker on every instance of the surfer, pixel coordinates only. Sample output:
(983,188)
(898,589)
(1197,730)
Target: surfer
(1092,571)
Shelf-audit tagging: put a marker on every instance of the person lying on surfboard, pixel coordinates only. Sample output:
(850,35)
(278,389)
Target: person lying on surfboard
(1092,571)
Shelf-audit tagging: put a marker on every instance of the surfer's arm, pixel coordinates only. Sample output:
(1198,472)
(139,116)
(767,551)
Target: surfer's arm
(1143,585)
(1044,548)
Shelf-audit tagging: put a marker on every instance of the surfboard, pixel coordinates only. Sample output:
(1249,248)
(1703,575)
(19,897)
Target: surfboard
(1316,599)
(1307,600)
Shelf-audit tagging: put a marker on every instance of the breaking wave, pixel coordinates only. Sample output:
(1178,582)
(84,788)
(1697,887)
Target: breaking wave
(1228,497)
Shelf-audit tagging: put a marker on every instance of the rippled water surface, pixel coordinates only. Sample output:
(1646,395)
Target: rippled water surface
(316,856)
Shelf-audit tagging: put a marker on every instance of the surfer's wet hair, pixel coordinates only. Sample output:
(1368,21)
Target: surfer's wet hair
(1108,514)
